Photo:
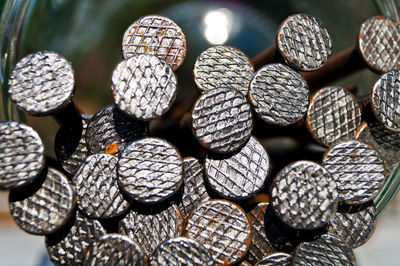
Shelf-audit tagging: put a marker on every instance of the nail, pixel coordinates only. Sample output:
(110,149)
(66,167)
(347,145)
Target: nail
(275,259)
(210,225)
(302,42)
(178,250)
(22,156)
(114,249)
(156,35)
(106,201)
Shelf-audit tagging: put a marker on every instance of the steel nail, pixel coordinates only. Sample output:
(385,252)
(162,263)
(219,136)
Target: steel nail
(280,258)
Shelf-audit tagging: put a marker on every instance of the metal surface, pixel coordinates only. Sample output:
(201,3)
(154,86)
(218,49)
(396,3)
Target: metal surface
(144,86)
(97,188)
(333,115)
(223,67)
(194,189)
(385,100)
(156,35)
(67,246)
(43,208)
(41,83)
(111,126)
(241,175)
(378,42)
(181,251)
(355,223)
(21,155)
(358,170)
(327,250)
(114,249)
(304,195)
(279,94)
(222,120)
(281,259)
(150,170)
(260,245)
(223,228)
(304,42)
(152,227)
(70,144)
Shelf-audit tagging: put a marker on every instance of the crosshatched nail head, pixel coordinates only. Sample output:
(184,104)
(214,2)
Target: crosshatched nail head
(282,259)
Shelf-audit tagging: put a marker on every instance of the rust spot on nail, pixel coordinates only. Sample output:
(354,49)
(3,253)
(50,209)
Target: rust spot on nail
(112,148)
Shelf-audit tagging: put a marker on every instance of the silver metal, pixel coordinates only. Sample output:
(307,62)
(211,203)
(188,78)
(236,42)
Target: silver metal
(275,259)
(223,228)
(279,95)
(181,251)
(42,83)
(150,170)
(70,144)
(45,209)
(327,250)
(241,175)
(304,195)
(222,120)
(67,246)
(111,126)
(354,225)
(358,170)
(151,228)
(304,42)
(333,115)
(144,86)
(385,100)
(194,189)
(21,155)
(97,188)
(223,67)
(378,42)
(260,245)
(114,249)
(156,35)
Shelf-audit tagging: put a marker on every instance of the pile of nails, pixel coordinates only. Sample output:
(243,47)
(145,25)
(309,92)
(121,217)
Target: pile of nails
(121,195)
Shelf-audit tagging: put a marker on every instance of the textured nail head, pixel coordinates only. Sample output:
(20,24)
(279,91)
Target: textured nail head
(144,86)
(21,155)
(304,42)
(279,94)
(42,83)
(156,35)
(281,259)
(223,67)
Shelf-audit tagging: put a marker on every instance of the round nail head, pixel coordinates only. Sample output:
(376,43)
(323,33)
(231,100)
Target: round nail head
(223,67)
(222,120)
(156,35)
(281,259)
(42,83)
(144,86)
(21,155)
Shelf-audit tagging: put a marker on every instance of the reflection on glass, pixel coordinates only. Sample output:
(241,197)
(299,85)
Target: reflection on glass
(217,25)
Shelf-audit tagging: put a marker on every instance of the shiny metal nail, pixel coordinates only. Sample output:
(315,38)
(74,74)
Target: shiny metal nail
(150,170)
(358,170)
(44,206)
(156,35)
(241,175)
(223,67)
(144,86)
(281,259)
(179,251)
(97,188)
(333,115)
(327,250)
(279,95)
(152,226)
(211,225)
(22,156)
(114,249)
(304,195)
(110,130)
(66,246)
(222,120)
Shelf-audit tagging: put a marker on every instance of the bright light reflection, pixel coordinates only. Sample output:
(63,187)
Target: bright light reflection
(217,25)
